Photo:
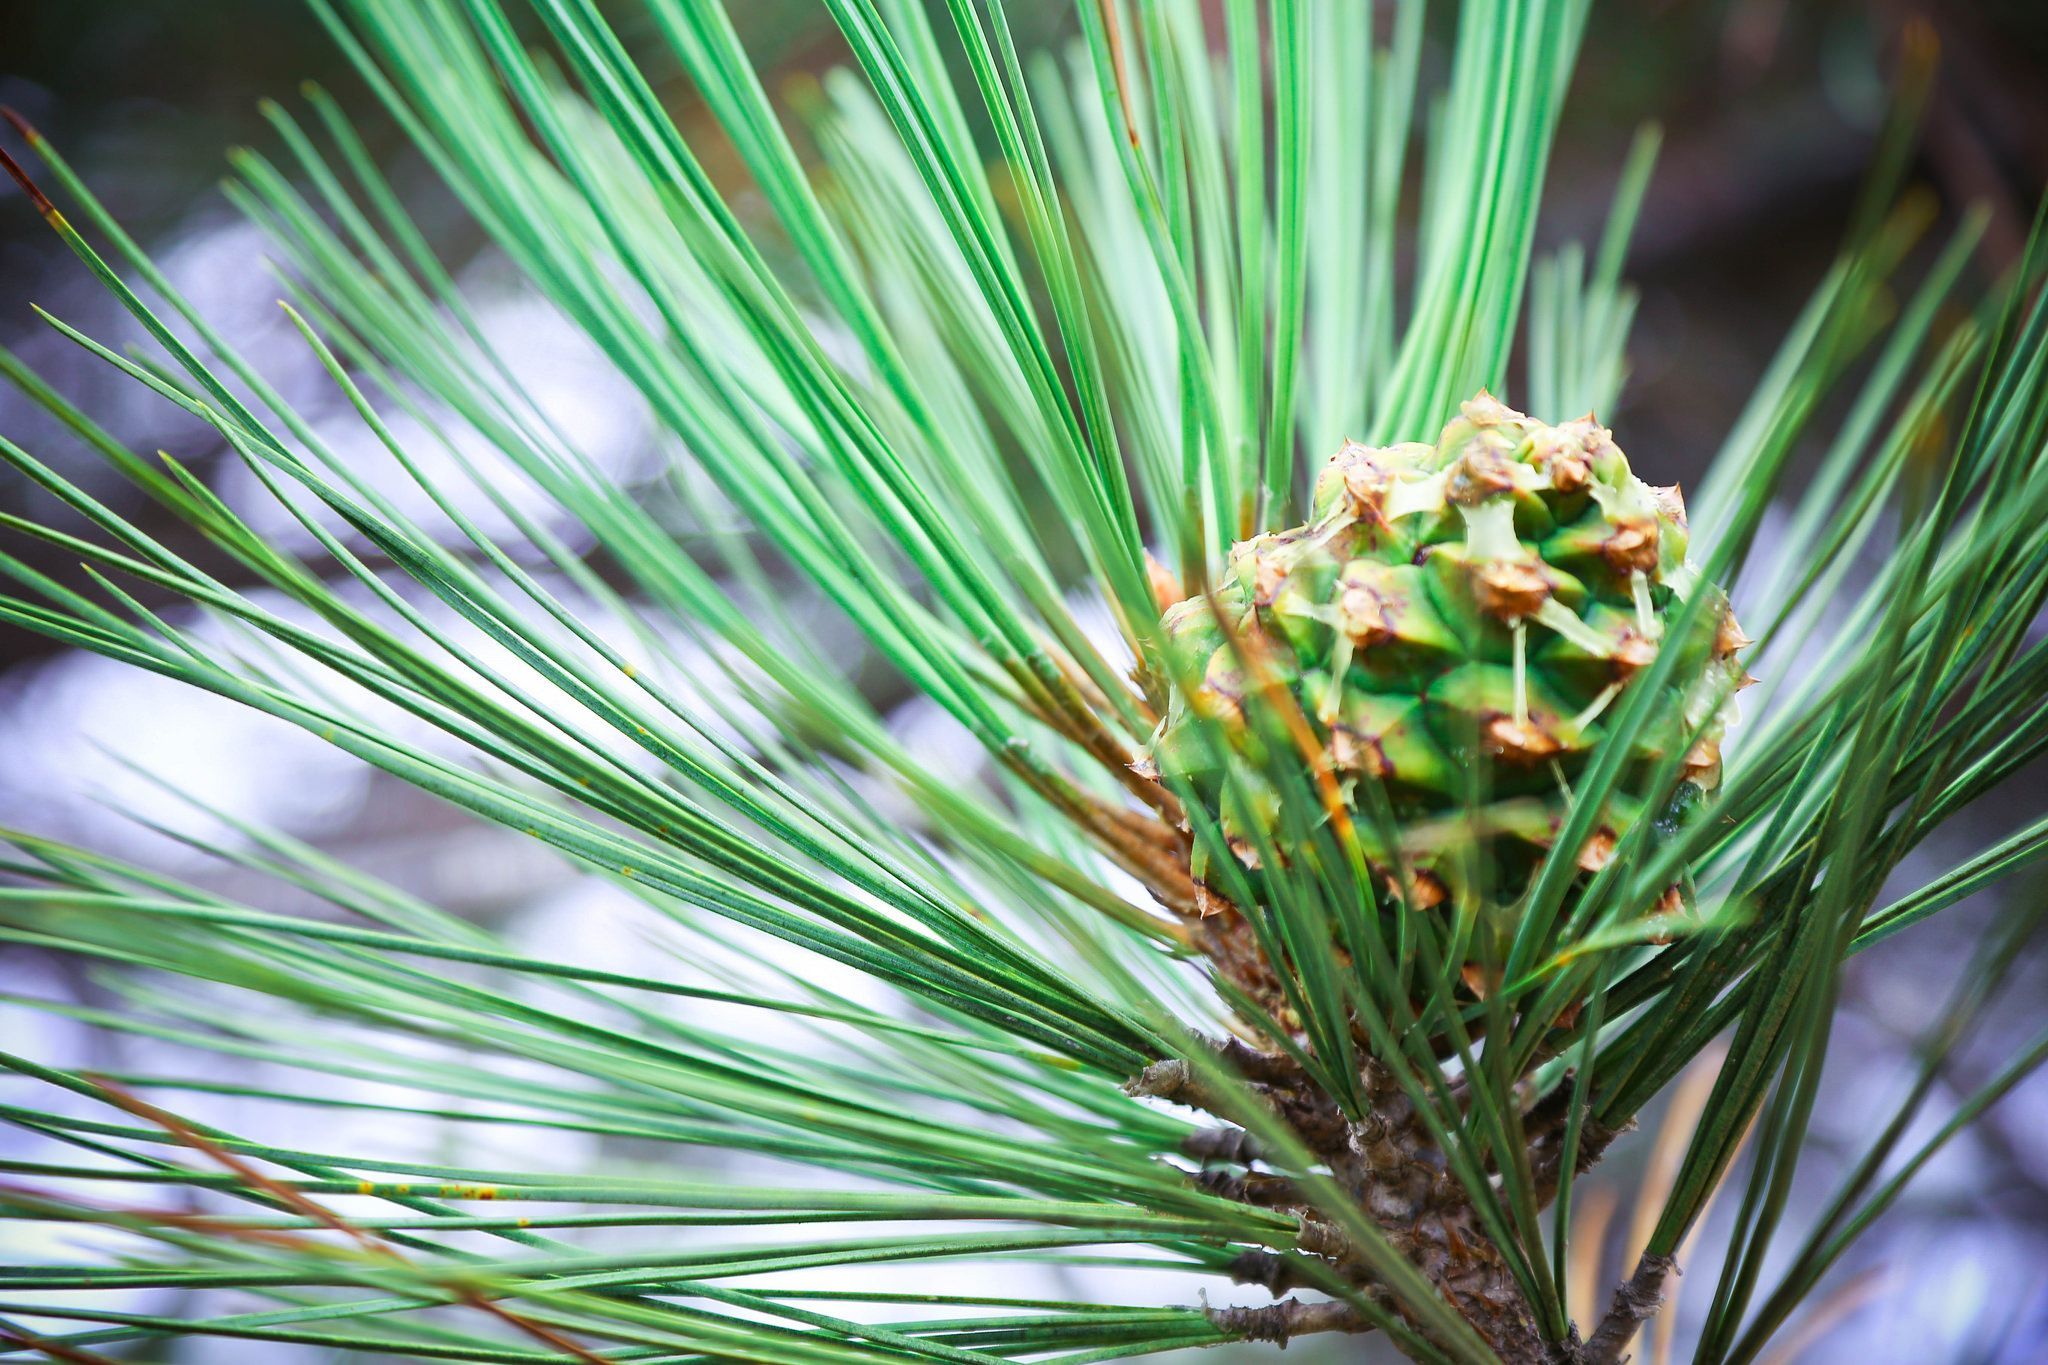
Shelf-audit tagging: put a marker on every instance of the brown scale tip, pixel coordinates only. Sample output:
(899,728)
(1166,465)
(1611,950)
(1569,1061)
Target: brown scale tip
(1632,653)
(1480,473)
(1166,589)
(1729,636)
(1509,589)
(1481,981)
(1671,502)
(1364,479)
(1561,458)
(1704,758)
(1353,752)
(1598,852)
(1519,741)
(1586,429)
(1632,547)
(1569,473)
(1364,615)
(1670,905)
(1427,889)
(1365,490)
(1268,570)
(1594,441)
(1482,409)
(1244,851)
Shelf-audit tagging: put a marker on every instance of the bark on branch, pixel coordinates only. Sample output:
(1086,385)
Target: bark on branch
(1636,1300)
(1275,1273)
(1228,1145)
(1260,1191)
(1278,1322)
(1389,1167)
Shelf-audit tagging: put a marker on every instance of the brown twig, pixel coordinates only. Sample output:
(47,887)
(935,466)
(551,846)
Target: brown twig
(1174,1080)
(1260,1191)
(1227,1144)
(1546,1155)
(1636,1301)
(1289,1318)
(1275,1273)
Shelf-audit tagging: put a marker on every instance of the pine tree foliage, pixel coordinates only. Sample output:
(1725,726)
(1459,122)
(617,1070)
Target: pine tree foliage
(990,357)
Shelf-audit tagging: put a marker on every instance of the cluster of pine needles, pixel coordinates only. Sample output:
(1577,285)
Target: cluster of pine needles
(963,352)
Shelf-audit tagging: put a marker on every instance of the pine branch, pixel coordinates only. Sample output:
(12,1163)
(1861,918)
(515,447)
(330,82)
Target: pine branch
(1415,759)
(1281,1322)
(1226,1144)
(1636,1301)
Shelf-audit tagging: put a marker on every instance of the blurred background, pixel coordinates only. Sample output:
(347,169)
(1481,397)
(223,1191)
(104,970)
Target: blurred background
(1770,109)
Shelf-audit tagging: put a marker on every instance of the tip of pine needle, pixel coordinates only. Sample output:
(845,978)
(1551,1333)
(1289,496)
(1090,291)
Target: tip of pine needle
(1113,35)
(21,178)
(1919,44)
(21,125)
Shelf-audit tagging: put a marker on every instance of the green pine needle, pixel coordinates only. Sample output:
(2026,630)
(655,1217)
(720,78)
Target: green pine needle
(980,355)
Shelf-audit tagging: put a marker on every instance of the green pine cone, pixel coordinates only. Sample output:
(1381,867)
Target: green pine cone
(1456,621)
